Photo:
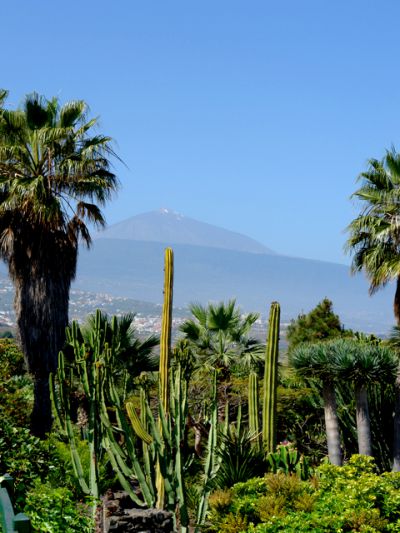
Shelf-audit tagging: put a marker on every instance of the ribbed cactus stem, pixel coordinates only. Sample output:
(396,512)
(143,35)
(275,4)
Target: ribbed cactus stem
(165,340)
(270,380)
(254,427)
(165,349)
(137,424)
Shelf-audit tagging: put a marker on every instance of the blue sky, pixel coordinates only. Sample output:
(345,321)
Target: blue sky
(256,116)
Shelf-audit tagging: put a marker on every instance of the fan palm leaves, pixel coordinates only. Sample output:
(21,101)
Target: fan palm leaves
(134,355)
(54,177)
(220,334)
(374,236)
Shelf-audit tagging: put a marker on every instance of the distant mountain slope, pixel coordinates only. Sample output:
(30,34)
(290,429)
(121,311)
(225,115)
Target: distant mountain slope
(169,227)
(135,270)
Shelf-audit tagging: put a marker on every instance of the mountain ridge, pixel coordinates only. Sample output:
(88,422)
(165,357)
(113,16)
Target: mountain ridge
(169,227)
(207,274)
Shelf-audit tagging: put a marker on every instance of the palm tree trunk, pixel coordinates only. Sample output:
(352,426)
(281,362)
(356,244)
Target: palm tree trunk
(363,421)
(396,303)
(41,306)
(332,424)
(396,423)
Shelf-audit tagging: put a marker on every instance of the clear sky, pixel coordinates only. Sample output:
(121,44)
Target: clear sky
(252,115)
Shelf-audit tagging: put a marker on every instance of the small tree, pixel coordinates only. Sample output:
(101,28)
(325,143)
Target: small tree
(317,362)
(363,365)
(319,324)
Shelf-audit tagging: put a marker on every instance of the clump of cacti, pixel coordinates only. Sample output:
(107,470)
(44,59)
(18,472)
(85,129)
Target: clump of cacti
(113,428)
(144,442)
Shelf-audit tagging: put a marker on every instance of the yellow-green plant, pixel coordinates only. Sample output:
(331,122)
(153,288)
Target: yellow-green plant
(165,349)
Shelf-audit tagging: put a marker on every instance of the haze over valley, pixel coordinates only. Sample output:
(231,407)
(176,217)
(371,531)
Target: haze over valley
(125,274)
(213,264)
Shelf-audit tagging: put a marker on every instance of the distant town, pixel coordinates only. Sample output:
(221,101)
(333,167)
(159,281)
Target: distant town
(147,318)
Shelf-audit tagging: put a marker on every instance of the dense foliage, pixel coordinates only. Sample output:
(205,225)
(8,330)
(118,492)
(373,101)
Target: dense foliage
(188,438)
(45,485)
(320,323)
(349,498)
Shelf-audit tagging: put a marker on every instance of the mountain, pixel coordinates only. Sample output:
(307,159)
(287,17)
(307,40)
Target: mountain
(134,269)
(171,228)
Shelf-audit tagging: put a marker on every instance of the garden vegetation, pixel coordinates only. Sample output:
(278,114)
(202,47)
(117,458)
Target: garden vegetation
(222,429)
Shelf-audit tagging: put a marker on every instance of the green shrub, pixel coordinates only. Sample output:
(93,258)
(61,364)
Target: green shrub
(349,498)
(55,510)
(62,451)
(220,500)
(27,459)
(11,359)
(233,523)
(16,390)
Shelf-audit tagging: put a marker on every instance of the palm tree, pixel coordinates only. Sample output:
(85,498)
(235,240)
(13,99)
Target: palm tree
(316,361)
(375,233)
(364,365)
(133,355)
(53,177)
(220,335)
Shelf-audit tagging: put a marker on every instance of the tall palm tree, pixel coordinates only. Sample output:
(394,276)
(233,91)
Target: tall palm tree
(364,365)
(375,234)
(316,361)
(54,175)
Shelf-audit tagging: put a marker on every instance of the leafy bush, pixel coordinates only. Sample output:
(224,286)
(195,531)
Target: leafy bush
(349,498)
(63,453)
(16,390)
(11,359)
(27,459)
(55,510)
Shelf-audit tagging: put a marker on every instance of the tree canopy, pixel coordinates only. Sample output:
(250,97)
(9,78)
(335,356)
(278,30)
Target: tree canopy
(321,323)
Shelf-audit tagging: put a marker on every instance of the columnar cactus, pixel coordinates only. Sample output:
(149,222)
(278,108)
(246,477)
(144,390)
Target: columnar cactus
(166,323)
(253,409)
(165,350)
(270,380)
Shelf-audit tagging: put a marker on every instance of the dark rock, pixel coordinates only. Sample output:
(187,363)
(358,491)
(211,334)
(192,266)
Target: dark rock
(121,515)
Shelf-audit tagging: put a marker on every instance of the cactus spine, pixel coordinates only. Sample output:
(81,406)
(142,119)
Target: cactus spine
(165,349)
(270,380)
(253,409)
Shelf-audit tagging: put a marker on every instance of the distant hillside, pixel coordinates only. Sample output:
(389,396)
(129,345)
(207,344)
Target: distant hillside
(169,227)
(135,269)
